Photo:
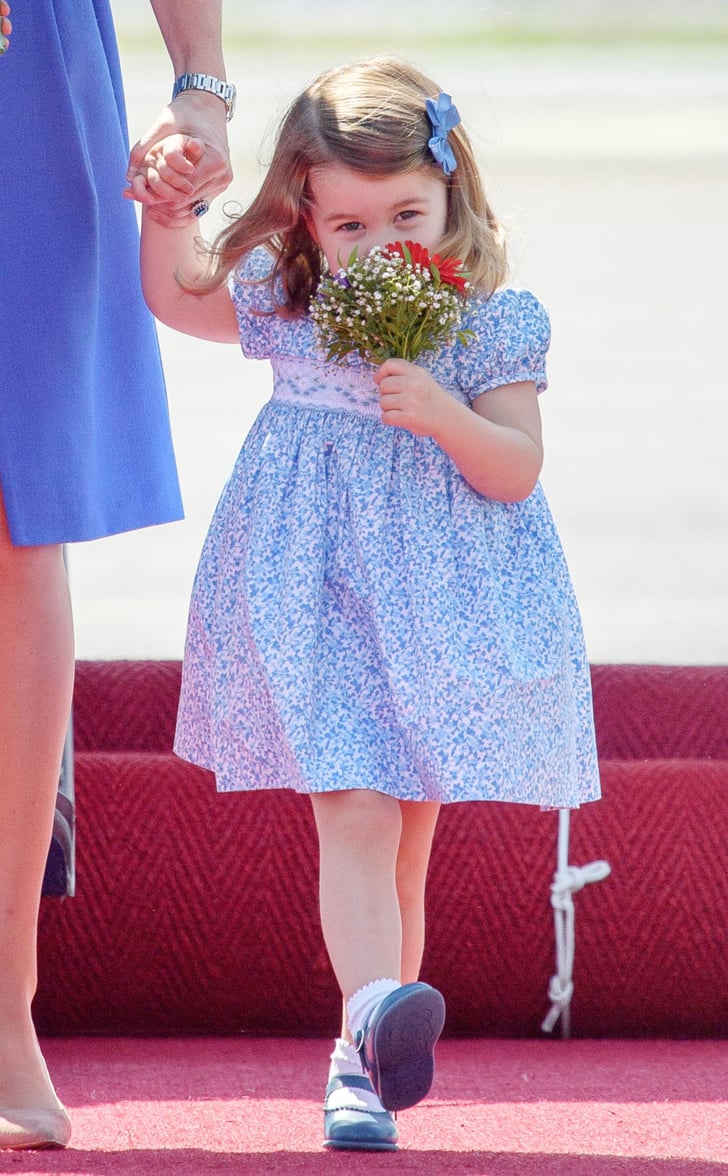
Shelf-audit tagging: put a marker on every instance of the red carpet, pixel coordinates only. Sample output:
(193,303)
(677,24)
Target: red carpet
(197,913)
(498,1108)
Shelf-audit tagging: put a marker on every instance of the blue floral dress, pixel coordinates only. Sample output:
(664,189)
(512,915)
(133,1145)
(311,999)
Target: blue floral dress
(361,617)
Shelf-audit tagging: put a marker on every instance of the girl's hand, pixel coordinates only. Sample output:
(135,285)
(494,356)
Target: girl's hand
(164,175)
(165,179)
(495,442)
(410,398)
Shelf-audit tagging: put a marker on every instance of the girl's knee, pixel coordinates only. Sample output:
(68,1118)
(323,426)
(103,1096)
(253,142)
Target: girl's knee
(358,813)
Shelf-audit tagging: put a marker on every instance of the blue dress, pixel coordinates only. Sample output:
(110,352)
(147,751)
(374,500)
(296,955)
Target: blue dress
(85,444)
(361,617)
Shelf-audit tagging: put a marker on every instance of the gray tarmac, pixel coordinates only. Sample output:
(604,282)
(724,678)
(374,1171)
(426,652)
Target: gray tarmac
(610,164)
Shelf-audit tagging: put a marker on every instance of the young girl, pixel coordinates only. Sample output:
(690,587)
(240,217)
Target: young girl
(382,617)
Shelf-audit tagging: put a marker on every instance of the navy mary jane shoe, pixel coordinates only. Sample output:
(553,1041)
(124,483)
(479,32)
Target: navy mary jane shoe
(350,1128)
(397,1044)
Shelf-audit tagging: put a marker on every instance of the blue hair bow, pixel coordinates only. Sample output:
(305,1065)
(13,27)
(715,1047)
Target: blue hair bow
(444,116)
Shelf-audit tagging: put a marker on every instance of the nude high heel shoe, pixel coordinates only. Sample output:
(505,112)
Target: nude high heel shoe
(30,1129)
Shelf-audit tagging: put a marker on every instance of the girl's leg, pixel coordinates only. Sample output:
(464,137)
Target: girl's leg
(419,820)
(391,881)
(359,834)
(374,853)
(36,683)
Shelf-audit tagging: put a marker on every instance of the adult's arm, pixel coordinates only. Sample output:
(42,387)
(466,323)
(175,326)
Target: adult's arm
(175,174)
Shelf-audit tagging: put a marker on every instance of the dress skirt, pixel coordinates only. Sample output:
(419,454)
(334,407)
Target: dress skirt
(361,618)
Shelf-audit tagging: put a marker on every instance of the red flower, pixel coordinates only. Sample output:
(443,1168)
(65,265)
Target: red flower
(449,269)
(411,252)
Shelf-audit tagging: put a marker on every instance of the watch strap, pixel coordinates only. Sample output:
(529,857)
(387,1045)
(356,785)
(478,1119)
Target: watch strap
(211,85)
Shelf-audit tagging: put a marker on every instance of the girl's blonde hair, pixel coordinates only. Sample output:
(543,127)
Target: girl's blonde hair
(369,116)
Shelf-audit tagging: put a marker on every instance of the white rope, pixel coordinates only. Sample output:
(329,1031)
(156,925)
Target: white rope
(567,881)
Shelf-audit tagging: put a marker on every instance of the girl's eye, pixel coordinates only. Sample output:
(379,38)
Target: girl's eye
(408,214)
(350,226)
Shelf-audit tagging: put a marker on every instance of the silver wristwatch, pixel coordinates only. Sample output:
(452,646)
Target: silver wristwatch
(200,81)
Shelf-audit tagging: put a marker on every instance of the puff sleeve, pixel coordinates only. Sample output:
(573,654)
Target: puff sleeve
(253,301)
(512,335)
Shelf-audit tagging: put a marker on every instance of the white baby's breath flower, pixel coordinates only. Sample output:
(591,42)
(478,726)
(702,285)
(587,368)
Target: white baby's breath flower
(397,301)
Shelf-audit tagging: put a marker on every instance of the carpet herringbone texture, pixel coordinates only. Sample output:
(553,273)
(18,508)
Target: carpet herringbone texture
(197,912)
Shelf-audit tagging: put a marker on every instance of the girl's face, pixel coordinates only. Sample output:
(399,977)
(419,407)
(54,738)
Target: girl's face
(351,208)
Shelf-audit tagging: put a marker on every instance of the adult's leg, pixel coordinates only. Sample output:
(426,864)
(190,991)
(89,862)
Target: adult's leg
(36,684)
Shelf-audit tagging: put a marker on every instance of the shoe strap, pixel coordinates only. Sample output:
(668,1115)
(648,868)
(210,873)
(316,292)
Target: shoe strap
(350,1081)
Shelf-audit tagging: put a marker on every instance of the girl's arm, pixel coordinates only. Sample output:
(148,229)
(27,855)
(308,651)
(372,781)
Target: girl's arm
(495,443)
(169,250)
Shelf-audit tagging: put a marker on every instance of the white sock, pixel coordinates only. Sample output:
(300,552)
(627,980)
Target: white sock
(345,1060)
(365,1000)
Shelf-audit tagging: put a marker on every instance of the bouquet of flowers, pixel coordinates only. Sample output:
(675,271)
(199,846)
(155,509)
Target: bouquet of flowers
(397,301)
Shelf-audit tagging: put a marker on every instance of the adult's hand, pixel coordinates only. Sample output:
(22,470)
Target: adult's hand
(182,158)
